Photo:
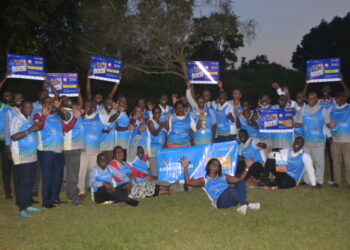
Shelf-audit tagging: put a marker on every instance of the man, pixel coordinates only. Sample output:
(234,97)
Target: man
(289,165)
(225,120)
(50,151)
(340,129)
(93,133)
(250,149)
(103,186)
(12,111)
(313,120)
(73,144)
(24,155)
(281,140)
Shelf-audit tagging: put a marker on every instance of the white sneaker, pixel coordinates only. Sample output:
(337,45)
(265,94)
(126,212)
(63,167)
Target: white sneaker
(242,210)
(254,206)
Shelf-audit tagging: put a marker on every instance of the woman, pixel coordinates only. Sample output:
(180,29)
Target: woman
(248,120)
(179,127)
(142,184)
(156,132)
(217,187)
(205,123)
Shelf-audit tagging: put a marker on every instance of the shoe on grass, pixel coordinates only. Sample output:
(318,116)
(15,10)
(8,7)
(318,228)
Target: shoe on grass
(34,209)
(242,210)
(254,206)
(24,214)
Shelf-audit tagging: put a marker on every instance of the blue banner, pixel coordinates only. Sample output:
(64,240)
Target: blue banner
(323,70)
(65,83)
(170,169)
(203,72)
(105,69)
(25,67)
(276,120)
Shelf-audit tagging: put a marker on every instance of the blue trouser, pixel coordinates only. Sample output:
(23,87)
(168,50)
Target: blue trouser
(223,138)
(51,164)
(24,182)
(233,196)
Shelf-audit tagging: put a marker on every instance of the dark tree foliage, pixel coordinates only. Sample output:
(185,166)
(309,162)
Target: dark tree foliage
(327,40)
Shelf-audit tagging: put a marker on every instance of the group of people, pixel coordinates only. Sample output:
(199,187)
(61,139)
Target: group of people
(97,143)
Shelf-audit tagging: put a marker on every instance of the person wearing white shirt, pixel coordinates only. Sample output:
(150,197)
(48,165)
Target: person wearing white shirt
(289,165)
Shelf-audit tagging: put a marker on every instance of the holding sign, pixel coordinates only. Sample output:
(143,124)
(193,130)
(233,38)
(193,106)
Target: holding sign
(105,69)
(170,169)
(203,72)
(276,121)
(323,70)
(25,67)
(65,83)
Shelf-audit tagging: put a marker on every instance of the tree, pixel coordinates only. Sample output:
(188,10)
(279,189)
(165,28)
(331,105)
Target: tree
(160,36)
(327,40)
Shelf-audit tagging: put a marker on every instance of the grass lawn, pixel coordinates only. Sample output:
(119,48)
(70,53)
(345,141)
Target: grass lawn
(300,218)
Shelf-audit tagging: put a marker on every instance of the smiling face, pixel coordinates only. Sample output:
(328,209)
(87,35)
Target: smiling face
(341,99)
(26,108)
(108,103)
(246,106)
(214,167)
(265,100)
(312,99)
(206,95)
(243,135)
(156,112)
(326,91)
(179,109)
(119,154)
(282,101)
(102,160)
(222,98)
(18,99)
(201,102)
(141,103)
(300,98)
(90,107)
(298,144)
(163,100)
(67,102)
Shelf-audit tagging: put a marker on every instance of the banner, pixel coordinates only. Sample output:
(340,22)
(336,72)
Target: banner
(276,120)
(65,83)
(25,67)
(323,70)
(105,69)
(203,72)
(170,169)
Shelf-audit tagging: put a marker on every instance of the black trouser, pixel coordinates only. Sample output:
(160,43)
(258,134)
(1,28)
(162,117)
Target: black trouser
(7,168)
(119,194)
(24,182)
(328,153)
(283,180)
(255,170)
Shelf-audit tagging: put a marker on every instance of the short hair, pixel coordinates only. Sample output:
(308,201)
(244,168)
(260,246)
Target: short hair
(179,103)
(155,108)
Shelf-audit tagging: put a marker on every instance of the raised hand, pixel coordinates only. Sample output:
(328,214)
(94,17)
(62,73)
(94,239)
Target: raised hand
(184,162)
(35,127)
(275,85)
(174,98)
(46,110)
(57,103)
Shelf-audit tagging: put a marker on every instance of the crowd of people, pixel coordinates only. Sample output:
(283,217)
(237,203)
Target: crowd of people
(99,144)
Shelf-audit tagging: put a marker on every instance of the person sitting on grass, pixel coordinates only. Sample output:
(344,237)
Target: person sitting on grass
(217,186)
(103,186)
(250,148)
(289,165)
(142,184)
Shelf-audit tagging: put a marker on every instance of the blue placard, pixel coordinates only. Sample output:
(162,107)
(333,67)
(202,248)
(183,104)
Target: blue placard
(206,72)
(276,120)
(169,168)
(323,70)
(25,67)
(65,83)
(105,69)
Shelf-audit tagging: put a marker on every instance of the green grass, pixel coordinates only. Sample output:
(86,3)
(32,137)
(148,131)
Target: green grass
(299,218)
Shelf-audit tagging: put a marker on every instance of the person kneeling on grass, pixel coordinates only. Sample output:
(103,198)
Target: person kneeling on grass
(289,165)
(217,186)
(103,186)
(142,182)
